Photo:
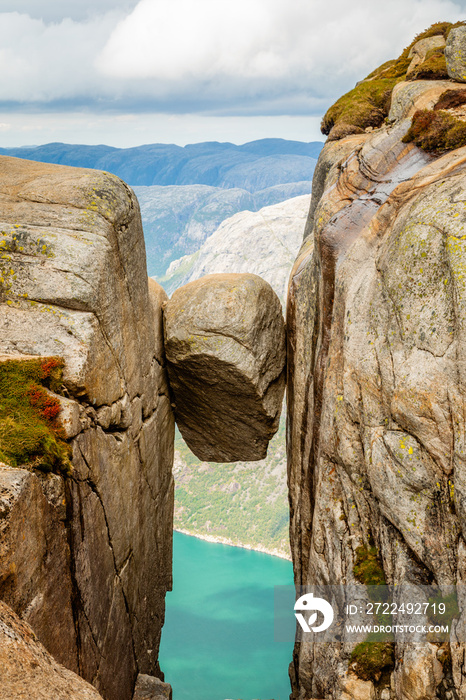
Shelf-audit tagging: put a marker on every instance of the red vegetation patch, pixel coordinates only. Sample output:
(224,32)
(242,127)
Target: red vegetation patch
(436,132)
(30,433)
(451,99)
(50,373)
(46,405)
(48,366)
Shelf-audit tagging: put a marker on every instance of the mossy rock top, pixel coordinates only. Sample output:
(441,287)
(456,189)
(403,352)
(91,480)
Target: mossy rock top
(368,103)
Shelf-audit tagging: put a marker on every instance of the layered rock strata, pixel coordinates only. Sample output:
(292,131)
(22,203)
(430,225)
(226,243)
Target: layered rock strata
(74,285)
(225,348)
(376,392)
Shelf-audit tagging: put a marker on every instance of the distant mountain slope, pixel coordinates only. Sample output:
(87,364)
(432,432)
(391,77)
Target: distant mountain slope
(252,166)
(264,242)
(185,194)
(178,219)
(245,502)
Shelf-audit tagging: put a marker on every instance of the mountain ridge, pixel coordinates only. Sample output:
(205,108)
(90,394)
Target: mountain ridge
(256,164)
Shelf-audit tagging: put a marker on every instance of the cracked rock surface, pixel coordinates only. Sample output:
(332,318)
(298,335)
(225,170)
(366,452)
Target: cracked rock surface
(35,579)
(27,670)
(225,347)
(150,688)
(74,285)
(376,391)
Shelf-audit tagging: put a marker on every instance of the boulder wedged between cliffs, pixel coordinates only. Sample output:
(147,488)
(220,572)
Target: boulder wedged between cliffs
(225,350)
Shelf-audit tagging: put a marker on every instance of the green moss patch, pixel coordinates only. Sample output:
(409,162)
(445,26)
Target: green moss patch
(434,67)
(368,104)
(436,131)
(372,660)
(30,434)
(368,569)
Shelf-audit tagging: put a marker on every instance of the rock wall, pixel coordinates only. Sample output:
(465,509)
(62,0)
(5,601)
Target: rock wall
(91,573)
(28,670)
(376,390)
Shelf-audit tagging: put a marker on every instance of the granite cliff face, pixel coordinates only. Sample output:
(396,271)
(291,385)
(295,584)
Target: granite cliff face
(376,390)
(85,557)
(29,671)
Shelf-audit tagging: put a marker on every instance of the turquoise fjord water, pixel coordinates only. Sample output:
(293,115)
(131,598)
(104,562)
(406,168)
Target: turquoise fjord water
(218,637)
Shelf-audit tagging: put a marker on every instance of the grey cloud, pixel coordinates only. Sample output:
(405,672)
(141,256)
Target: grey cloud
(224,57)
(57,10)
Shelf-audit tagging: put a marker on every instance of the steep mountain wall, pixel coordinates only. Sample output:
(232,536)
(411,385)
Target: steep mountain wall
(177,220)
(85,553)
(263,242)
(376,392)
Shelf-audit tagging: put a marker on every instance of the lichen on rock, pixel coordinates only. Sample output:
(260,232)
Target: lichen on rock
(455,53)
(375,391)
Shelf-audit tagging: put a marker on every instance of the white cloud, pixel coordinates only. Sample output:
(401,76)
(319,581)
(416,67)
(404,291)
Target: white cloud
(172,39)
(214,56)
(42,62)
(303,44)
(57,10)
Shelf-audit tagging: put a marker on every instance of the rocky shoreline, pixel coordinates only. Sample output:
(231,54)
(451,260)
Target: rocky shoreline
(225,540)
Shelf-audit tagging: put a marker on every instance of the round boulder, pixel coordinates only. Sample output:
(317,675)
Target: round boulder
(455,54)
(225,350)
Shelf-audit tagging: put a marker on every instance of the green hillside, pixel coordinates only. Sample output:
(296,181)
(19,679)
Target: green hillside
(242,503)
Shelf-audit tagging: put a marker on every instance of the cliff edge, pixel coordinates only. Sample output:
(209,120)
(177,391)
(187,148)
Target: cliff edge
(376,387)
(86,439)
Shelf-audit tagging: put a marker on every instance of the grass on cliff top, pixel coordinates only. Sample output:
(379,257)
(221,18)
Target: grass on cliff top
(434,67)
(29,431)
(368,103)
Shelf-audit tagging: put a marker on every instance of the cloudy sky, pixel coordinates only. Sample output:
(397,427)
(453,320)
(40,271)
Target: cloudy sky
(127,72)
